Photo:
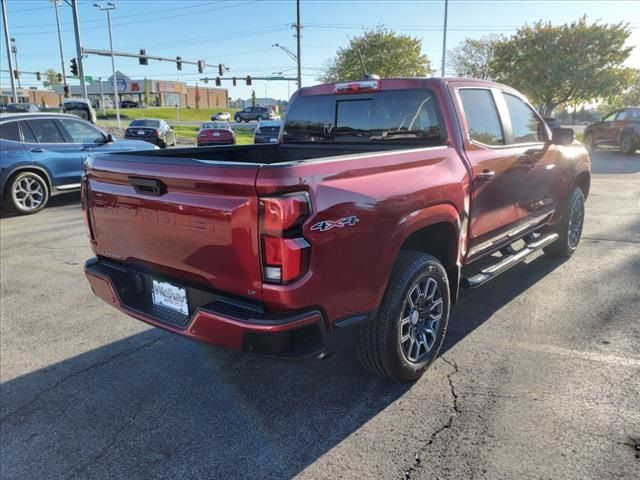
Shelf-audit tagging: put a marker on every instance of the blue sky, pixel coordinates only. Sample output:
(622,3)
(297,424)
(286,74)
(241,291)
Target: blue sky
(240,33)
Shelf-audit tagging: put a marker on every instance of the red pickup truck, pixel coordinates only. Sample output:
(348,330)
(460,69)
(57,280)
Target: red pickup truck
(381,199)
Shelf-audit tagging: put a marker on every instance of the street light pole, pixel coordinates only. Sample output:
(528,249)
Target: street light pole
(56,3)
(5,24)
(116,98)
(14,50)
(298,27)
(444,36)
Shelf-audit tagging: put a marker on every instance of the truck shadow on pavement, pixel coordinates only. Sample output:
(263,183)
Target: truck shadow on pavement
(153,405)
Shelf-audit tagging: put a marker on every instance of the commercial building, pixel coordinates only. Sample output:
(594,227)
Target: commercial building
(157,93)
(43,98)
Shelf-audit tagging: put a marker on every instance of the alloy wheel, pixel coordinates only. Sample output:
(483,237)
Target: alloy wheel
(29,193)
(576,220)
(420,317)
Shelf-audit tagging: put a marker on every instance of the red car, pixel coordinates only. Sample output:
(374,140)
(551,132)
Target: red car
(216,133)
(382,199)
(618,129)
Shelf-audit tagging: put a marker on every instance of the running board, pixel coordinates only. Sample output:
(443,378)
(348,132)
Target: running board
(492,271)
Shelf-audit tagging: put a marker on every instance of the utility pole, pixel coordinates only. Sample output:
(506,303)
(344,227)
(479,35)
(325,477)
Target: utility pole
(5,24)
(116,98)
(14,50)
(56,3)
(298,58)
(444,37)
(76,27)
(104,112)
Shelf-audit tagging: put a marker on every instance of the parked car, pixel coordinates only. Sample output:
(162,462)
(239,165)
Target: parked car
(253,113)
(80,107)
(618,129)
(216,133)
(385,197)
(22,107)
(552,123)
(129,104)
(151,130)
(267,131)
(43,153)
(221,116)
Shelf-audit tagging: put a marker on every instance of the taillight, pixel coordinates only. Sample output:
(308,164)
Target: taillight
(158,133)
(285,252)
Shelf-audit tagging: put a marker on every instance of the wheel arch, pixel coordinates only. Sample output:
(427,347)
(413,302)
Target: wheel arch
(27,168)
(583,181)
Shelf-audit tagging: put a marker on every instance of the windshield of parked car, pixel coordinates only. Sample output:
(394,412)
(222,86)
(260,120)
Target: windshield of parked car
(399,115)
(145,123)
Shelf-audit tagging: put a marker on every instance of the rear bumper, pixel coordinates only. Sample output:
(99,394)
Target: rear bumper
(217,319)
(154,140)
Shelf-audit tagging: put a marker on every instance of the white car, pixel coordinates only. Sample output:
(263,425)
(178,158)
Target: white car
(221,116)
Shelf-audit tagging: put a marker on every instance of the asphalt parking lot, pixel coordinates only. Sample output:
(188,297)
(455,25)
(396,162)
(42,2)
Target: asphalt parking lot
(539,377)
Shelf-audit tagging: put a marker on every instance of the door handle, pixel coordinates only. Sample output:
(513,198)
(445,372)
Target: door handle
(37,150)
(485,175)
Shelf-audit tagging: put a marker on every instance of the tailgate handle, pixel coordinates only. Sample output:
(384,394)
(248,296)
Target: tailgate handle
(148,186)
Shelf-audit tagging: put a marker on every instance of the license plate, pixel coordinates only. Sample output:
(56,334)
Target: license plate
(141,132)
(216,134)
(170,296)
(273,140)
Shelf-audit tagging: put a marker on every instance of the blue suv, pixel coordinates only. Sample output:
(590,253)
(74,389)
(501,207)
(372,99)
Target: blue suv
(41,155)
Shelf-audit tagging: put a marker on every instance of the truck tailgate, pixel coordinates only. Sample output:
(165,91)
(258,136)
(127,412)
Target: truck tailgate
(182,218)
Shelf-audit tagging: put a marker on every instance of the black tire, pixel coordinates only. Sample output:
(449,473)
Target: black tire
(567,243)
(589,143)
(18,202)
(627,144)
(237,119)
(378,342)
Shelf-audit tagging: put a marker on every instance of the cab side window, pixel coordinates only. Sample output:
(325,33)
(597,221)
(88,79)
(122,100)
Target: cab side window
(526,126)
(81,132)
(482,116)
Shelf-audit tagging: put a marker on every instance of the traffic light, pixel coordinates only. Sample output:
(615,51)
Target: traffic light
(234,81)
(200,66)
(220,69)
(74,67)
(38,76)
(248,80)
(59,77)
(16,74)
(218,82)
(179,63)
(205,80)
(143,60)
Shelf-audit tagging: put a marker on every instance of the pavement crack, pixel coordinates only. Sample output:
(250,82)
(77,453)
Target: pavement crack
(40,394)
(417,463)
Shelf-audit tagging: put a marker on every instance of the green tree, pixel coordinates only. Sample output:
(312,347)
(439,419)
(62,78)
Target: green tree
(384,53)
(473,57)
(571,63)
(52,77)
(630,97)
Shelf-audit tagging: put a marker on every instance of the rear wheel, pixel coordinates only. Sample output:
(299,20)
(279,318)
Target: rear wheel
(405,338)
(569,229)
(27,193)
(237,119)
(628,144)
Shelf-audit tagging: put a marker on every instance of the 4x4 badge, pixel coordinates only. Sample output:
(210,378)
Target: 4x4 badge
(329,224)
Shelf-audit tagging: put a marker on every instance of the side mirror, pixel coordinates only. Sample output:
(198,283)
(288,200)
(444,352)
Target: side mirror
(563,136)
(110,138)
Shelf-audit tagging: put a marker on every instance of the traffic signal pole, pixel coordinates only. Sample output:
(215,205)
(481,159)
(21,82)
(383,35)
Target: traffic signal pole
(14,92)
(76,27)
(64,78)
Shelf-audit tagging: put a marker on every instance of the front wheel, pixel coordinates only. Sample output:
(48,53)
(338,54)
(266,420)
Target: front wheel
(405,338)
(569,228)
(27,193)
(237,119)
(628,144)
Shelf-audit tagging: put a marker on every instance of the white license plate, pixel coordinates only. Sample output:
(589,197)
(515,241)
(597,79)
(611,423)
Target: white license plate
(170,296)
(273,140)
(216,134)
(141,132)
